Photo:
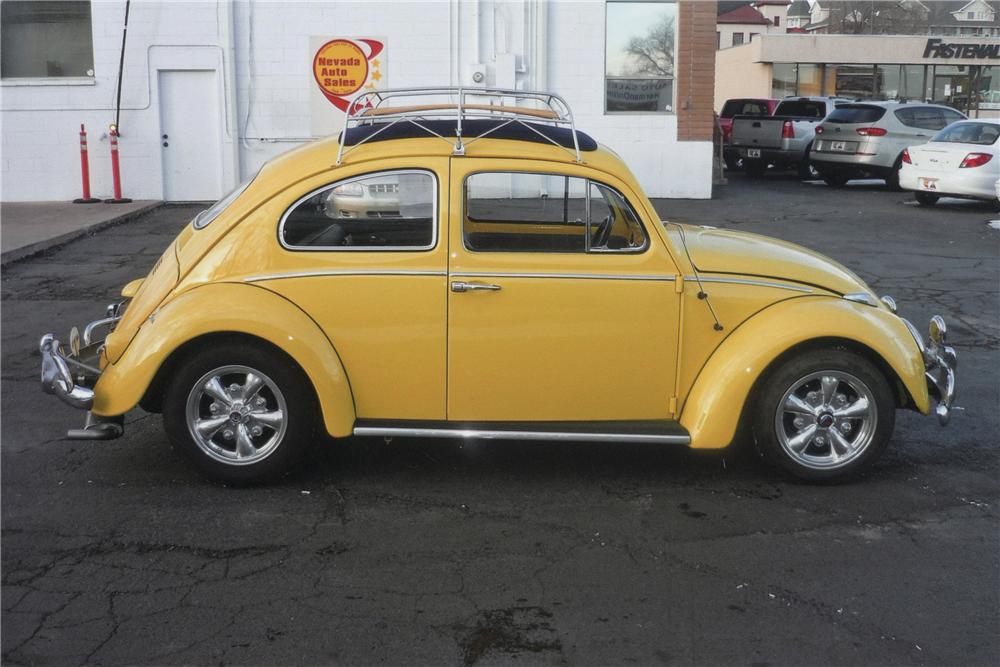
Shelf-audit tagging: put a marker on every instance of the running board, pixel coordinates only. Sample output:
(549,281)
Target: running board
(648,431)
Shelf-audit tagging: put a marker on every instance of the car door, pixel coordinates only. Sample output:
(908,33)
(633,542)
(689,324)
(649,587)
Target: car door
(561,300)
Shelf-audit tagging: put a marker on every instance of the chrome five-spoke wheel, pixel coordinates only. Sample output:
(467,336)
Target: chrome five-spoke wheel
(826,419)
(236,415)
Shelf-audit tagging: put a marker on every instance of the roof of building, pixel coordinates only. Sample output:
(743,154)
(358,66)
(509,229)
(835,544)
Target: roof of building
(725,6)
(797,30)
(780,3)
(799,8)
(744,14)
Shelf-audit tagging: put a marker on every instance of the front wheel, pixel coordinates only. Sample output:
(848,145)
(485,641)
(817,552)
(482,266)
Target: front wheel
(925,198)
(241,414)
(824,416)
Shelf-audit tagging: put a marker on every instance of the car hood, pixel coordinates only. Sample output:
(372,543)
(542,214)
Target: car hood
(742,253)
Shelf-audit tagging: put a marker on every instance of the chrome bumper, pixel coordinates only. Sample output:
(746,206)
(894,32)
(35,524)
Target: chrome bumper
(940,362)
(71,376)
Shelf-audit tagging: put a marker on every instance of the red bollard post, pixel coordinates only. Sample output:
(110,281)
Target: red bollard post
(85,171)
(115,172)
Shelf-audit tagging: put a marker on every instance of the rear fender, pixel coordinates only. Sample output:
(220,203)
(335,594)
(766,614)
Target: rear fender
(712,410)
(228,308)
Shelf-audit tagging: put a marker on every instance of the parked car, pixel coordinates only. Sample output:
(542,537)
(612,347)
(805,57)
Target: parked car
(962,160)
(532,293)
(867,139)
(783,140)
(740,107)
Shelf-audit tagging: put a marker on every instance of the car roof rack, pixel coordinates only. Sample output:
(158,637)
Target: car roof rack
(380,110)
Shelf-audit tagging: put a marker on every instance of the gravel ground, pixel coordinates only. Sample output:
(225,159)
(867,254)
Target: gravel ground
(434,552)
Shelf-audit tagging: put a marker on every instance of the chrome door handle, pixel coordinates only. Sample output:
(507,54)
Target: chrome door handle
(460,286)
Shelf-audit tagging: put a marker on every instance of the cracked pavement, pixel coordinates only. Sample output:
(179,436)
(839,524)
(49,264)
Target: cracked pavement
(438,552)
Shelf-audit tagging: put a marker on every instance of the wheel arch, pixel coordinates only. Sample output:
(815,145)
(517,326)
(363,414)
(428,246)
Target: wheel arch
(722,393)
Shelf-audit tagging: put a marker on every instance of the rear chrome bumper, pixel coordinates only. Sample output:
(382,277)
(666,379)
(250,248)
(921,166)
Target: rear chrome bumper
(940,363)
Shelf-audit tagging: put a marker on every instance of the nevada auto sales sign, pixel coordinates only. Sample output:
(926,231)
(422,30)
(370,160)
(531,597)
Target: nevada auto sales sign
(344,67)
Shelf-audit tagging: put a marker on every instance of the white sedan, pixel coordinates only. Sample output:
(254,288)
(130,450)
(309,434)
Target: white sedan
(962,160)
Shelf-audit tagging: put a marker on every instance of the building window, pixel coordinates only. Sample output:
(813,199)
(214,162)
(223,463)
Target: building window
(45,39)
(718,40)
(639,56)
(737,38)
(782,80)
(777,21)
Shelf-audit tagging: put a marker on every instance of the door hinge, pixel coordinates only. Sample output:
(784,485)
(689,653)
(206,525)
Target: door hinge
(673,406)
(679,284)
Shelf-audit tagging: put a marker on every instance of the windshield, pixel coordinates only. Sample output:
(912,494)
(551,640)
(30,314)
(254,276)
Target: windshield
(205,218)
(855,113)
(801,108)
(744,108)
(984,134)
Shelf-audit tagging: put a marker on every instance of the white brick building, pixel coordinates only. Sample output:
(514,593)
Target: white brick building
(231,84)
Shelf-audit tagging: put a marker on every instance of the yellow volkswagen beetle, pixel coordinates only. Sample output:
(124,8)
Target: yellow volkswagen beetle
(466,263)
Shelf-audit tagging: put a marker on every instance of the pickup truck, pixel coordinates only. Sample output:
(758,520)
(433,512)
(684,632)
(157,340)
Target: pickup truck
(782,140)
(740,107)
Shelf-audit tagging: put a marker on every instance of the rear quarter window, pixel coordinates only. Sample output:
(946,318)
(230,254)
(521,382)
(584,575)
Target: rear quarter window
(983,134)
(855,114)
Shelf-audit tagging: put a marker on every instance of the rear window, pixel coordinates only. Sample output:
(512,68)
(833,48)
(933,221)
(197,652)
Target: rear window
(984,134)
(801,108)
(744,108)
(855,113)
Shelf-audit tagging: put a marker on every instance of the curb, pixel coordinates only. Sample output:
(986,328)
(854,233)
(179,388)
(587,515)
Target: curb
(37,248)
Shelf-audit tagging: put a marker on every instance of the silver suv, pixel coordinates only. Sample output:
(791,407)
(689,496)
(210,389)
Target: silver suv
(867,139)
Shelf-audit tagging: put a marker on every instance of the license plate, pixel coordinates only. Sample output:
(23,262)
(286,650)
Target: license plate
(838,145)
(929,183)
(753,152)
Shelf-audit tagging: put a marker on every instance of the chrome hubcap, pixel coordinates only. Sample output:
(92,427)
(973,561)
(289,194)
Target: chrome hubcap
(826,419)
(236,415)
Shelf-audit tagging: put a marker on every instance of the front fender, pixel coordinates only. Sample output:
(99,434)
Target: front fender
(712,410)
(228,308)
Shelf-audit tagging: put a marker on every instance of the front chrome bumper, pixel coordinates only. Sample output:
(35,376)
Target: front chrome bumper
(940,362)
(71,375)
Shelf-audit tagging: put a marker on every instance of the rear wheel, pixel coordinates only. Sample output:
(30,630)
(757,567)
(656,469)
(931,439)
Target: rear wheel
(926,198)
(824,416)
(755,168)
(734,163)
(241,414)
(892,178)
(807,172)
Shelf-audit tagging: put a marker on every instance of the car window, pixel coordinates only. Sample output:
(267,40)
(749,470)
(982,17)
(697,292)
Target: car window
(521,212)
(205,218)
(927,118)
(390,210)
(801,108)
(855,113)
(743,108)
(984,134)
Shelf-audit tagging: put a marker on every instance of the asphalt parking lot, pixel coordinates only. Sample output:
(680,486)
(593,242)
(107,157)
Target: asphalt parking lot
(431,552)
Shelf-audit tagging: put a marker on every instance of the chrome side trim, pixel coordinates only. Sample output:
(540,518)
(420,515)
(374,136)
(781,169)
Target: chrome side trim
(570,276)
(343,272)
(390,432)
(862,297)
(755,283)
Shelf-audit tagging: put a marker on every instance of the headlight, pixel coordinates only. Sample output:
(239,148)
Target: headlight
(349,190)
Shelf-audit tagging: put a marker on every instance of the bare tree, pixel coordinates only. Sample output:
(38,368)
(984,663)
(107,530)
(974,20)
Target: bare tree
(654,53)
(877,17)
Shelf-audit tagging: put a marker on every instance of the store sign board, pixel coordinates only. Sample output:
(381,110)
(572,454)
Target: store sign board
(341,69)
(937,48)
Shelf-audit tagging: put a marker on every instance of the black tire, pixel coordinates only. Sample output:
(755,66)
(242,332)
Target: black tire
(734,163)
(297,404)
(814,463)
(926,198)
(806,170)
(755,168)
(892,178)
(835,180)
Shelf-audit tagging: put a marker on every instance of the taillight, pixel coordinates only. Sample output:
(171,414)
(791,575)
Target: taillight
(975,160)
(872,131)
(819,130)
(906,156)
(787,131)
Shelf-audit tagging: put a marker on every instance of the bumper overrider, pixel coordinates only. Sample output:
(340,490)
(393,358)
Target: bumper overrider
(71,374)
(940,362)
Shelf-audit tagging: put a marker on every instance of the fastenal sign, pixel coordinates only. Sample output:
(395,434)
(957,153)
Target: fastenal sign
(936,48)
(341,68)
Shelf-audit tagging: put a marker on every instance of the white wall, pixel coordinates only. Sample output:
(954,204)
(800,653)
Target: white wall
(427,43)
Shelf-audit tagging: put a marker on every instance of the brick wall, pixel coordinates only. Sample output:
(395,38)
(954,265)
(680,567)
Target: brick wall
(695,69)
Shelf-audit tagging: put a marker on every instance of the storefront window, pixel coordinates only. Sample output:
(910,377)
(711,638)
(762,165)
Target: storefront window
(810,81)
(45,39)
(853,81)
(988,87)
(640,54)
(783,80)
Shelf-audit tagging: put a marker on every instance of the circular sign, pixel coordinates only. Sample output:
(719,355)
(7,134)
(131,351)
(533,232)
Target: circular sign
(340,67)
